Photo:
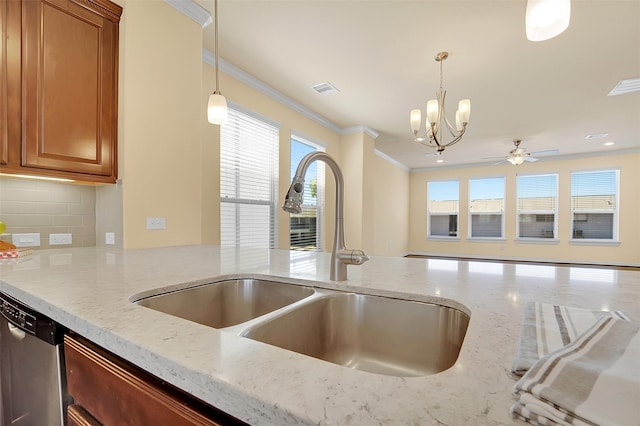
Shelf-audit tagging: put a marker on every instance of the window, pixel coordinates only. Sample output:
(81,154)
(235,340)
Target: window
(594,205)
(486,207)
(248,180)
(305,228)
(442,208)
(537,206)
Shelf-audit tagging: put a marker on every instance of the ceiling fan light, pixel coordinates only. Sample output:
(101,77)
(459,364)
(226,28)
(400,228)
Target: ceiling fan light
(516,160)
(217,112)
(546,19)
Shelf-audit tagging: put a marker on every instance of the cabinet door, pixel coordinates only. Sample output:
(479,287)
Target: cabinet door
(113,392)
(10,34)
(69,77)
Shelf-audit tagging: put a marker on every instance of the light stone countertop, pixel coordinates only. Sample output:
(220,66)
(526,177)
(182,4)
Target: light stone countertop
(88,291)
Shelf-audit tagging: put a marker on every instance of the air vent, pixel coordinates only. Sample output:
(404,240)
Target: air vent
(626,86)
(325,88)
(596,136)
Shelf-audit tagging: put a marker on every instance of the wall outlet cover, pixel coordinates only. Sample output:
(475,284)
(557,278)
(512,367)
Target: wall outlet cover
(110,238)
(26,240)
(156,223)
(59,239)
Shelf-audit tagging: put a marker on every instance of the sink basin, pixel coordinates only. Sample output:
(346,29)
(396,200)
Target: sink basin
(227,303)
(370,333)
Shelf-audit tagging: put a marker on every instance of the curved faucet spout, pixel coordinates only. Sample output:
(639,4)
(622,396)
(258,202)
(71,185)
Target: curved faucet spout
(340,255)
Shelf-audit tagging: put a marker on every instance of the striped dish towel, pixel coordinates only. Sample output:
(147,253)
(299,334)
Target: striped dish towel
(546,328)
(593,381)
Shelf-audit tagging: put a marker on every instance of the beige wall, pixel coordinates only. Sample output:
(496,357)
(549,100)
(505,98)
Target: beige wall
(390,208)
(160,112)
(627,252)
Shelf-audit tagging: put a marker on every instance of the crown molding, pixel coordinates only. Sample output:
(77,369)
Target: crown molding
(360,129)
(192,10)
(550,158)
(246,78)
(392,160)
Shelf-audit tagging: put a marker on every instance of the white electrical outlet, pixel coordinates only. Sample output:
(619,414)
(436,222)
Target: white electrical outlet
(110,238)
(60,239)
(156,223)
(26,240)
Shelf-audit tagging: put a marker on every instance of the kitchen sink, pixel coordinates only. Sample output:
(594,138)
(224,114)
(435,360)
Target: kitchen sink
(226,303)
(376,334)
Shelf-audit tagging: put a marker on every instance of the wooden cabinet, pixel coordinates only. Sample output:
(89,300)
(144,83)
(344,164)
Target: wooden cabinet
(63,120)
(108,391)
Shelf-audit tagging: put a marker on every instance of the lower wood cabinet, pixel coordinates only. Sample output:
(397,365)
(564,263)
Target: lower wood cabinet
(107,391)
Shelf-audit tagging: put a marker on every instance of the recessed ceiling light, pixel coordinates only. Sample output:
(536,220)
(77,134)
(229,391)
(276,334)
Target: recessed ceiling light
(325,88)
(439,160)
(609,143)
(597,136)
(626,86)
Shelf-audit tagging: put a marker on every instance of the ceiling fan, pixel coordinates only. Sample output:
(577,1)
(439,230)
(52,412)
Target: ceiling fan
(519,155)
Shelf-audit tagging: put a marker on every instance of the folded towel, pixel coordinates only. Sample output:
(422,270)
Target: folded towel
(546,328)
(593,381)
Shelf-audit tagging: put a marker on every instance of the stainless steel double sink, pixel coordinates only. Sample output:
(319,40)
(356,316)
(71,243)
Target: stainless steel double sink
(381,335)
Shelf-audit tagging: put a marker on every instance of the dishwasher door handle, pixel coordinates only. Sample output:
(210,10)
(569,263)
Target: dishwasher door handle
(16,332)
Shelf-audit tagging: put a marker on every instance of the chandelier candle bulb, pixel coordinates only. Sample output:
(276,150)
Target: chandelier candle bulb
(416,120)
(432,111)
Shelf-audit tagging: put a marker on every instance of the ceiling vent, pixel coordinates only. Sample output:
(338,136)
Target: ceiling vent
(325,88)
(626,86)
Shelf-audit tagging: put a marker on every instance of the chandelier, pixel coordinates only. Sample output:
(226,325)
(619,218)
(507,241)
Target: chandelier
(437,120)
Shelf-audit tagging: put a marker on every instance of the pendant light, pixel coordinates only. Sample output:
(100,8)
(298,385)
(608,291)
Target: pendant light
(217,112)
(546,19)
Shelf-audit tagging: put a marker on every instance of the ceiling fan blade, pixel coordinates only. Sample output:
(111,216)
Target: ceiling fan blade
(492,158)
(500,162)
(547,152)
(531,159)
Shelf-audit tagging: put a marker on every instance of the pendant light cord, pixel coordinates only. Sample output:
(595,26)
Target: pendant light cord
(215,17)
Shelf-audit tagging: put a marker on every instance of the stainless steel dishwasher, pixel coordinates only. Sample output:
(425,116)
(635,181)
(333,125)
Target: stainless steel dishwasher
(33,390)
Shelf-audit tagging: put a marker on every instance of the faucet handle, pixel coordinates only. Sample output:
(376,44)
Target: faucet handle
(353,256)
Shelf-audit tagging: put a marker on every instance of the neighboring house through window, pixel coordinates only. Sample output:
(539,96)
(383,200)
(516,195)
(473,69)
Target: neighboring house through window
(442,208)
(305,228)
(594,205)
(486,207)
(537,206)
(248,180)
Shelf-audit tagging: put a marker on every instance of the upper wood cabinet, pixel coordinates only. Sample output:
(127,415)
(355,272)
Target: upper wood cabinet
(68,89)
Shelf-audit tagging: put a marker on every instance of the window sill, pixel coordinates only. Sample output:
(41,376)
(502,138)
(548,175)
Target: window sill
(486,240)
(537,240)
(442,238)
(587,242)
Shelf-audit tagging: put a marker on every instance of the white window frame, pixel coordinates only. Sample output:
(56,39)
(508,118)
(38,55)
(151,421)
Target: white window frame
(487,213)
(553,212)
(430,214)
(615,212)
(240,113)
(320,181)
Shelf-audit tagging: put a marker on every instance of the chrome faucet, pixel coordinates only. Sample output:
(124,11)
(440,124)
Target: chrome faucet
(340,256)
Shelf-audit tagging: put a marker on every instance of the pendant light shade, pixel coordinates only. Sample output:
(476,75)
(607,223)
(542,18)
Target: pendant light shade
(217,112)
(546,19)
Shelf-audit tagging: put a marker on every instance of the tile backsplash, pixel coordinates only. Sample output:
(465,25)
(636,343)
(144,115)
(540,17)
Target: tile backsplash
(28,206)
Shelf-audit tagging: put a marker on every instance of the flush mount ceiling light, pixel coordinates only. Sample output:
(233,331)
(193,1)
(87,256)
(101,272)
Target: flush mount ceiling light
(217,112)
(437,120)
(546,19)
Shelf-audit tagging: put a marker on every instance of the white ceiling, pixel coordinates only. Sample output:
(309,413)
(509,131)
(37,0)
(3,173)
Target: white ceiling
(379,54)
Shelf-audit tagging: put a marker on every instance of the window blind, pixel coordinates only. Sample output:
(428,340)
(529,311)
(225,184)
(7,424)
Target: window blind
(442,209)
(537,205)
(594,204)
(486,207)
(248,181)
